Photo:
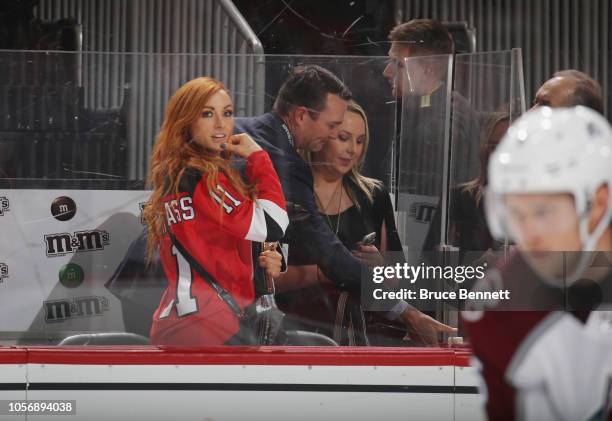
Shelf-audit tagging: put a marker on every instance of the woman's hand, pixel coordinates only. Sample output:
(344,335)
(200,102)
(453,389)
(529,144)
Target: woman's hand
(369,255)
(270,261)
(241,144)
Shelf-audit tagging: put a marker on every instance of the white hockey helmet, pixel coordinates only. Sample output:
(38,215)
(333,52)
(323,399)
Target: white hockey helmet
(562,150)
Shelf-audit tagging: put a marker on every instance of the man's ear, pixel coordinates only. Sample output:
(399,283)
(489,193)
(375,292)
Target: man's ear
(599,206)
(299,113)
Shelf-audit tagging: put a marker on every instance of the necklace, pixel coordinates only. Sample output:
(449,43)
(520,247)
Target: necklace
(324,208)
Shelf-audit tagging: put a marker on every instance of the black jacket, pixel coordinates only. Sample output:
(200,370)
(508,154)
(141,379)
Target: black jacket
(315,238)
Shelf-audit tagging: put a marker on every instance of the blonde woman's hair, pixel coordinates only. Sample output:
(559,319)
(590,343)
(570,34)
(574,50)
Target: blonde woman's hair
(354,177)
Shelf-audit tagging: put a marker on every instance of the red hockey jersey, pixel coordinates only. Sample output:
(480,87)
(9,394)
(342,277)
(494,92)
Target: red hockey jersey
(216,229)
(539,365)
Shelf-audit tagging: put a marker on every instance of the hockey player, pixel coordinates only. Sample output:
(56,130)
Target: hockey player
(549,193)
(202,216)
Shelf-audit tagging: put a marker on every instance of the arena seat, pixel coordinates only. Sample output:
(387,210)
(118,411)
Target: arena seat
(304,338)
(105,338)
(292,338)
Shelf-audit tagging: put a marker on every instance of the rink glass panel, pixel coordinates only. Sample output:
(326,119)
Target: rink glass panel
(491,85)
(450,106)
(76,137)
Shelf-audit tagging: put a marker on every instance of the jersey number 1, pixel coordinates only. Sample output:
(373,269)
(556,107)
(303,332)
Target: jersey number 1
(185,302)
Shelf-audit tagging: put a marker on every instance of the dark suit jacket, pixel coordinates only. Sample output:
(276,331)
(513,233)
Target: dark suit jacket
(313,238)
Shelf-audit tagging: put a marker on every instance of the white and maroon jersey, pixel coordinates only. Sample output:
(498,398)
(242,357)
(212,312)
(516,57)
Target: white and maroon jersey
(540,365)
(215,228)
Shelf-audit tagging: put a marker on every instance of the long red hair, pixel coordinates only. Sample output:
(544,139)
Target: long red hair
(174,152)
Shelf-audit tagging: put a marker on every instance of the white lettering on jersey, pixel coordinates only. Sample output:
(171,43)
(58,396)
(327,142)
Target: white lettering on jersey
(169,213)
(228,207)
(187,208)
(179,210)
(186,304)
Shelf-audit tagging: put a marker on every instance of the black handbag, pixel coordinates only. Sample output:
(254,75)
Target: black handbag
(260,322)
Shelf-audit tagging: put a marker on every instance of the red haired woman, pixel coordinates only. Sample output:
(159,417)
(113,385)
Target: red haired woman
(202,217)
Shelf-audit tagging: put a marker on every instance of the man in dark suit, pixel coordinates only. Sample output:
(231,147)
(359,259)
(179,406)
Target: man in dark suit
(308,110)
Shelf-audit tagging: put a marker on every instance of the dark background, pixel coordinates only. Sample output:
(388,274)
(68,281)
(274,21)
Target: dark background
(553,35)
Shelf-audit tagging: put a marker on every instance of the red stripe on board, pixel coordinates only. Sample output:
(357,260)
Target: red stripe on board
(13,356)
(462,358)
(150,355)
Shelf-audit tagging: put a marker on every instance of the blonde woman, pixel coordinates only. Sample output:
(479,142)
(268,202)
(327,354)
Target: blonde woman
(354,206)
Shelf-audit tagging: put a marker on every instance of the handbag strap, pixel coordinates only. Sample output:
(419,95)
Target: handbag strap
(221,292)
